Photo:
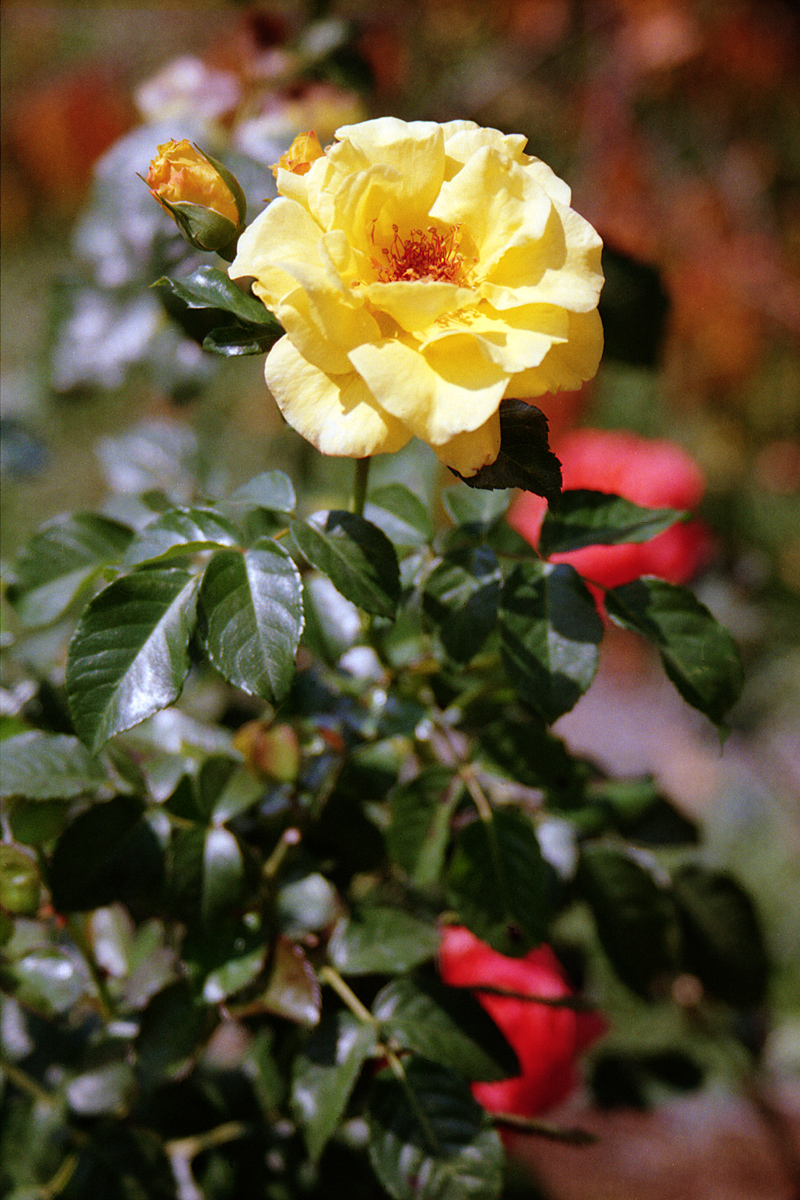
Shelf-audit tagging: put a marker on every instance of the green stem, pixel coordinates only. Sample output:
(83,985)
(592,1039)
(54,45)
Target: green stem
(22,1080)
(106,1000)
(360,485)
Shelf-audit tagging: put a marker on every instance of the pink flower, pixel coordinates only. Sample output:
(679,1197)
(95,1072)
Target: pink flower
(546,1039)
(653,473)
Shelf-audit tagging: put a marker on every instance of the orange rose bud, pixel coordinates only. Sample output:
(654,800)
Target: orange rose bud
(200,194)
(304,150)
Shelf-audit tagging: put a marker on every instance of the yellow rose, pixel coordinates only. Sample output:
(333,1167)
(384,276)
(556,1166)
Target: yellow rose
(422,273)
(200,194)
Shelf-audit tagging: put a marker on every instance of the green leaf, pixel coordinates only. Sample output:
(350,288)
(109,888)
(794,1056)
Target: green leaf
(48,766)
(61,561)
(381,940)
(357,557)
(107,853)
(20,883)
(530,754)
(461,595)
(259,508)
(446,1025)
(293,992)
(325,1073)
(108,1088)
(525,459)
(252,617)
(223,874)
(49,980)
(478,511)
(498,881)
(129,655)
(234,340)
(632,915)
(400,514)
(723,942)
(550,636)
(208,287)
(180,531)
(583,518)
(429,1139)
(171,1036)
(699,655)
(419,828)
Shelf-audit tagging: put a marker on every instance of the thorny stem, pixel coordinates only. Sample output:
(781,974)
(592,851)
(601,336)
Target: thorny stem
(360,485)
(571,1135)
(345,993)
(289,838)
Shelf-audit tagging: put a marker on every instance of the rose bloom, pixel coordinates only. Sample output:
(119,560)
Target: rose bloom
(181,174)
(422,272)
(652,472)
(547,1039)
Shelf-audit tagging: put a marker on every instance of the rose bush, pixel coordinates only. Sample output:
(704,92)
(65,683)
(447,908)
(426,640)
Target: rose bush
(422,273)
(547,1039)
(652,472)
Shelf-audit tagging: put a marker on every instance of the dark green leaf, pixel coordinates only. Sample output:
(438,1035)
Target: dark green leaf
(583,518)
(48,766)
(381,940)
(400,514)
(20,883)
(171,1036)
(181,531)
(446,1025)
(550,636)
(252,618)
(50,980)
(325,1074)
(109,852)
(234,340)
(223,874)
(293,990)
(271,490)
(498,881)
(529,753)
(129,655)
(429,1140)
(699,655)
(525,459)
(61,561)
(461,595)
(632,915)
(357,557)
(208,287)
(421,810)
(723,943)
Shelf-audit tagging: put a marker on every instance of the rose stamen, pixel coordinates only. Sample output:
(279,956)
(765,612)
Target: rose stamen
(424,254)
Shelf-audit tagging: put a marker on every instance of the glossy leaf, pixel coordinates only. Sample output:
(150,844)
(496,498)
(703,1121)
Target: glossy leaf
(550,636)
(478,511)
(50,980)
(461,595)
(723,942)
(129,655)
(180,531)
(324,1075)
(357,557)
(429,1139)
(293,990)
(48,766)
(699,655)
(446,1025)
(173,1029)
(208,287)
(581,518)
(381,940)
(223,874)
(525,459)
(498,882)
(234,340)
(61,561)
(251,617)
(632,915)
(421,810)
(400,514)
(20,883)
(259,507)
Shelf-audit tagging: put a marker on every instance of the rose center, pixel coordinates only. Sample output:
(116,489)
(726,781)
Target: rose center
(424,254)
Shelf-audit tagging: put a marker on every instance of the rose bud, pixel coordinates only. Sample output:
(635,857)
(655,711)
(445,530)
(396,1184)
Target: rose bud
(201,195)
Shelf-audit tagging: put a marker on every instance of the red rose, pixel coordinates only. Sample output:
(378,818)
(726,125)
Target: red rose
(653,473)
(546,1039)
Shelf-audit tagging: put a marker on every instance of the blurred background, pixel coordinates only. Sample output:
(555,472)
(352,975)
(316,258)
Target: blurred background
(677,125)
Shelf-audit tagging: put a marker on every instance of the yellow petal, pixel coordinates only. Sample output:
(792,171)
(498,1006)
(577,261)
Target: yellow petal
(337,414)
(563,267)
(568,364)
(495,205)
(437,395)
(468,452)
(416,304)
(514,340)
(462,139)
